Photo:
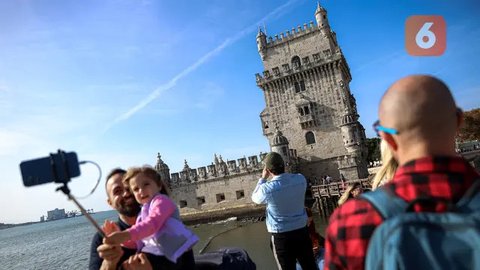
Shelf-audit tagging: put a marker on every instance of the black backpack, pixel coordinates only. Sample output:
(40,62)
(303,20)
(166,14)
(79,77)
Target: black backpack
(223,259)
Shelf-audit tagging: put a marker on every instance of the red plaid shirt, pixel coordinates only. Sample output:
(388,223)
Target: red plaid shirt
(352,224)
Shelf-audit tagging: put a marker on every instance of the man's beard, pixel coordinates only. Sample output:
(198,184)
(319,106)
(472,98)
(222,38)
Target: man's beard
(130,210)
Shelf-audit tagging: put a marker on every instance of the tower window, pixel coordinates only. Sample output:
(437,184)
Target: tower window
(299,86)
(276,71)
(220,197)
(296,62)
(306,60)
(201,200)
(306,110)
(183,203)
(300,110)
(240,194)
(310,137)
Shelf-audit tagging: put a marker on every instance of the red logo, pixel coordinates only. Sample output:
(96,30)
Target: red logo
(425,35)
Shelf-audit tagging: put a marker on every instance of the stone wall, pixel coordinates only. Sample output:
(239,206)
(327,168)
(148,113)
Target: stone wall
(221,185)
(217,193)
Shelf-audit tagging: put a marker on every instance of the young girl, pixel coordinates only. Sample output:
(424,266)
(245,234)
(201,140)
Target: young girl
(158,229)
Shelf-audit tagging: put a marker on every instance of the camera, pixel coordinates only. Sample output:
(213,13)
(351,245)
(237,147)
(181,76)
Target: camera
(59,168)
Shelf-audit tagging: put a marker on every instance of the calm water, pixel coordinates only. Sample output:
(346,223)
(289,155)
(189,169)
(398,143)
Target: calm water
(65,244)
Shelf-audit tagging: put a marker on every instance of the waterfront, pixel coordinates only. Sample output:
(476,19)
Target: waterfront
(65,244)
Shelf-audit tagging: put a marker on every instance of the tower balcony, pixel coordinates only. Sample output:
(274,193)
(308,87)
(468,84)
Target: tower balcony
(307,121)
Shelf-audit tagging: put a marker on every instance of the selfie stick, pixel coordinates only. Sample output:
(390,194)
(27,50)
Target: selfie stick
(66,190)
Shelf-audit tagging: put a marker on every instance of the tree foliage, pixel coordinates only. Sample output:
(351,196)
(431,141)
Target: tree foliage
(470,130)
(373,145)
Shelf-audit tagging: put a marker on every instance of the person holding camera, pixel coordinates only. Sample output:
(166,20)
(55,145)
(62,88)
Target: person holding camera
(104,256)
(284,195)
(158,231)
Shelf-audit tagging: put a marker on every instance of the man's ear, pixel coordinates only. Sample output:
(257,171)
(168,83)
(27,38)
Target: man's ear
(390,141)
(109,202)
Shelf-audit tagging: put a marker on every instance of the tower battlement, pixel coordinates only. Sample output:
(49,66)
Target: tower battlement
(291,34)
(217,169)
(307,62)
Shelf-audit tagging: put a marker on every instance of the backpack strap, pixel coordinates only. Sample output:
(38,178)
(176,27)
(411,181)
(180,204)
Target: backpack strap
(386,203)
(471,200)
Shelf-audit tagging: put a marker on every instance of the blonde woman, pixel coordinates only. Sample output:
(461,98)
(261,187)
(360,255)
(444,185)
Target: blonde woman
(388,168)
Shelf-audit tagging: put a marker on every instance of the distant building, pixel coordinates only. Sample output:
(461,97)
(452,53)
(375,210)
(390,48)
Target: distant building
(467,146)
(56,214)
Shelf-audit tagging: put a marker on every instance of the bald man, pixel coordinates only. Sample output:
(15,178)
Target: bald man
(418,119)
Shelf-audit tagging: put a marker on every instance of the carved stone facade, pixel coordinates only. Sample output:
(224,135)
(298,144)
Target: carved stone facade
(306,86)
(310,119)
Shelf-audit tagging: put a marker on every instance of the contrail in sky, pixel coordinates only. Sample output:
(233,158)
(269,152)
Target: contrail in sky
(170,84)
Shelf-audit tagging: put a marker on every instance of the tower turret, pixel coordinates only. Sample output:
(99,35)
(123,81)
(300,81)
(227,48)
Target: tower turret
(162,169)
(261,43)
(280,145)
(353,135)
(350,130)
(322,20)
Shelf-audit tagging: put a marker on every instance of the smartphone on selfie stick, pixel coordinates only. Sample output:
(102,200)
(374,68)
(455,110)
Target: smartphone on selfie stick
(59,167)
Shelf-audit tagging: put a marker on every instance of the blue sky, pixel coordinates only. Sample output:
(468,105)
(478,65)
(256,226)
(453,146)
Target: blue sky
(118,81)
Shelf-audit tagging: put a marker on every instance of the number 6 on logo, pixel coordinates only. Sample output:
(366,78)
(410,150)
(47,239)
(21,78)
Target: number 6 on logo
(425,35)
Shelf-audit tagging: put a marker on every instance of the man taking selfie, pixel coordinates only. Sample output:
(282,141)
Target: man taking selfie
(103,256)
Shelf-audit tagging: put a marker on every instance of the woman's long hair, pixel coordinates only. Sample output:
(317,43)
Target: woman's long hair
(388,168)
(348,193)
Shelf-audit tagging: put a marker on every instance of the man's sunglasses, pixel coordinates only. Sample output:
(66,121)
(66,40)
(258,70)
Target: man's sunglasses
(377,127)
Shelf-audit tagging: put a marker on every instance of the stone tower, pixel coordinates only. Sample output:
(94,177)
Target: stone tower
(306,87)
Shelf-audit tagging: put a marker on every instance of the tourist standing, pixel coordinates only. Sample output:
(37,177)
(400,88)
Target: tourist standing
(419,121)
(284,195)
